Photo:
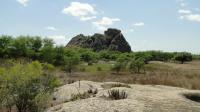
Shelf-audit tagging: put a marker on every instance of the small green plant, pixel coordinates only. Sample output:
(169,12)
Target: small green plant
(79,96)
(82,69)
(117,94)
(120,85)
(99,69)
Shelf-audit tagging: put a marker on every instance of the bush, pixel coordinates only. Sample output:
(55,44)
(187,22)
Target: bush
(92,91)
(183,57)
(136,65)
(117,95)
(27,87)
(117,67)
(88,57)
(99,69)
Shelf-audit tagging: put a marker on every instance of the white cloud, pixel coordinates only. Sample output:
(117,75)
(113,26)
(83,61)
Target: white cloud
(51,28)
(59,39)
(87,18)
(191,17)
(82,10)
(183,11)
(139,24)
(183,4)
(105,22)
(131,30)
(23,2)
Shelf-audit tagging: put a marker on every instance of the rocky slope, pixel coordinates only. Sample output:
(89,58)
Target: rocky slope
(141,98)
(112,39)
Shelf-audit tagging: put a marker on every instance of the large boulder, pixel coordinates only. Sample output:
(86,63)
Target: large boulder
(112,39)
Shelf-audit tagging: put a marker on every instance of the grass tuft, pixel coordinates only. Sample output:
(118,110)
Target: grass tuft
(117,94)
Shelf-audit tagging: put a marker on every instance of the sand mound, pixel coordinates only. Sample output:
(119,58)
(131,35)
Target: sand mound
(141,98)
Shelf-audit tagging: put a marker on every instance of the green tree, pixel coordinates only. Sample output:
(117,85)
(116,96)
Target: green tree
(137,64)
(48,42)
(60,53)
(121,63)
(5,42)
(117,67)
(26,87)
(89,57)
(20,47)
(183,57)
(70,62)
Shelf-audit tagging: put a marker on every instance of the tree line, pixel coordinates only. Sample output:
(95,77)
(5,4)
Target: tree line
(44,50)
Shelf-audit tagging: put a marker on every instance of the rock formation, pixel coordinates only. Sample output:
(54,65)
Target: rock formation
(112,39)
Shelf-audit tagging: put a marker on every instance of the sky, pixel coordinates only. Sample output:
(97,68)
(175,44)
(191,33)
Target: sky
(167,25)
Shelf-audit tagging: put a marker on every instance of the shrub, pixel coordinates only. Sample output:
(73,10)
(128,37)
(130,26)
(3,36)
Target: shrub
(117,95)
(117,67)
(27,87)
(136,65)
(92,91)
(82,69)
(99,69)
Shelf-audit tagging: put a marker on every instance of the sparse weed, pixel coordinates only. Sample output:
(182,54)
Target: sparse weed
(117,94)
(79,96)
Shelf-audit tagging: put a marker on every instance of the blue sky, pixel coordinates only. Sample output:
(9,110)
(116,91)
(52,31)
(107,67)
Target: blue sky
(168,25)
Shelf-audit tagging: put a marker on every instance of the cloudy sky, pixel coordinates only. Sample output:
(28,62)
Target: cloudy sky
(168,25)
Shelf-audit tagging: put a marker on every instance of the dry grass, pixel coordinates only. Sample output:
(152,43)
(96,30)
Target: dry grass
(157,73)
(113,85)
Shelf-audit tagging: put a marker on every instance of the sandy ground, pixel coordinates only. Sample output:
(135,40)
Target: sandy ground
(141,98)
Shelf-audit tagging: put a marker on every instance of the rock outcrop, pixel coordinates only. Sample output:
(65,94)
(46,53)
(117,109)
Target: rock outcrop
(140,98)
(112,39)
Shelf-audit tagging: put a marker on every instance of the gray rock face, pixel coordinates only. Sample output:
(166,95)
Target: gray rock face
(112,39)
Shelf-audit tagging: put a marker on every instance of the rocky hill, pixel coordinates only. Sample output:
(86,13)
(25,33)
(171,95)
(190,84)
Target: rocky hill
(112,39)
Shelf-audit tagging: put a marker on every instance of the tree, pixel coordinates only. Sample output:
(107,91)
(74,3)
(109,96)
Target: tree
(121,63)
(70,62)
(145,55)
(137,64)
(36,43)
(60,53)
(88,57)
(26,87)
(117,67)
(183,57)
(48,42)
(5,42)
(20,47)
(47,54)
